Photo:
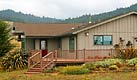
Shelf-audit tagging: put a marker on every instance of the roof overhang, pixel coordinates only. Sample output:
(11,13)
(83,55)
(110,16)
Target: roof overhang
(103,22)
(17,32)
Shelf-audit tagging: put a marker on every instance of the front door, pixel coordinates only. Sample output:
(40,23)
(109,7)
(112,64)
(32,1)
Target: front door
(44,47)
(135,42)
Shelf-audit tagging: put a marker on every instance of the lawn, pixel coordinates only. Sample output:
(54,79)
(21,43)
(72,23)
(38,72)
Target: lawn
(19,75)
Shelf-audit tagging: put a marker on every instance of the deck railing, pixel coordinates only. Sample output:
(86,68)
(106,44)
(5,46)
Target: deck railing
(52,56)
(86,53)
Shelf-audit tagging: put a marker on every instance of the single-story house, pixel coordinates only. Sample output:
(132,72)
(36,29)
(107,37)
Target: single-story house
(96,39)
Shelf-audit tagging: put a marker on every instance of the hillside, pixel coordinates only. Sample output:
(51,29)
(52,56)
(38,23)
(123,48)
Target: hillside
(11,15)
(101,16)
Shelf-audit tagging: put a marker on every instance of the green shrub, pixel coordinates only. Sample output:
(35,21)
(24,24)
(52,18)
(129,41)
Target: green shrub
(107,62)
(13,61)
(5,38)
(113,67)
(132,62)
(73,70)
(89,66)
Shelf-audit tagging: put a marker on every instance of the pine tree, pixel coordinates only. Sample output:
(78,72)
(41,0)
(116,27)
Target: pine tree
(5,45)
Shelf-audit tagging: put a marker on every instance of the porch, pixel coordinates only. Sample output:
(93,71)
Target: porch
(37,63)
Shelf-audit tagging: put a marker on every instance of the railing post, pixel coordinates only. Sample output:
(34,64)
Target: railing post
(41,64)
(56,53)
(52,57)
(41,60)
(84,53)
(28,63)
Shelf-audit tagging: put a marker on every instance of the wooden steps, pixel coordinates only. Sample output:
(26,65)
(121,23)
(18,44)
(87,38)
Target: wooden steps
(37,64)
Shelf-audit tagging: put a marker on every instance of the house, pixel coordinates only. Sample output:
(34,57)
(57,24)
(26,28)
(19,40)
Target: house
(80,40)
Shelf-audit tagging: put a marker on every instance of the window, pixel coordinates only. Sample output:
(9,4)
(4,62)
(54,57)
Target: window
(71,43)
(98,40)
(102,40)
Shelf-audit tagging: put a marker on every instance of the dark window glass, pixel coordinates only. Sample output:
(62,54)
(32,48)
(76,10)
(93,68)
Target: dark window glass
(102,40)
(71,43)
(98,40)
(107,40)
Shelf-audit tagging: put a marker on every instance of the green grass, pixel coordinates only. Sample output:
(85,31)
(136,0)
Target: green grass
(19,75)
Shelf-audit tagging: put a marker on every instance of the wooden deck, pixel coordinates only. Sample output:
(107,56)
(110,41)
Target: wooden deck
(61,60)
(37,63)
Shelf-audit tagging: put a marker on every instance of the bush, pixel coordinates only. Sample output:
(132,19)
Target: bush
(113,67)
(107,62)
(125,52)
(5,38)
(89,66)
(132,62)
(13,61)
(73,70)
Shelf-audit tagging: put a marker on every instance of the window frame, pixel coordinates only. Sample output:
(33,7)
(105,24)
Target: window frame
(103,40)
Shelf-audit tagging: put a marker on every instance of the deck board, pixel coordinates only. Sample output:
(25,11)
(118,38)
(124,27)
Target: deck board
(61,60)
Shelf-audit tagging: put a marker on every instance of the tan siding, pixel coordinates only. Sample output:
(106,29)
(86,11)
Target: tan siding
(125,27)
(37,44)
(65,43)
(135,42)
(52,44)
(29,44)
(66,53)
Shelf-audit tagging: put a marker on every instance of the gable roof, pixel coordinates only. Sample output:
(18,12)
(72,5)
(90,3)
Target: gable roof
(89,26)
(50,30)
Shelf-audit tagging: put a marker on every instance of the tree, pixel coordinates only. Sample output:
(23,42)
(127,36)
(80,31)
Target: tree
(5,38)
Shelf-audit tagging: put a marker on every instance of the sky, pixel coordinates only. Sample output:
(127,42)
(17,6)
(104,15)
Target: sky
(63,9)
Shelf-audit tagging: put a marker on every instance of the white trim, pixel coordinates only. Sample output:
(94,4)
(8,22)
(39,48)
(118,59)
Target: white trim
(98,24)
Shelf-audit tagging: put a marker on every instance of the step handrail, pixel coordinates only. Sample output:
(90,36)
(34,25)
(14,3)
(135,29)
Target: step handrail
(33,57)
(50,57)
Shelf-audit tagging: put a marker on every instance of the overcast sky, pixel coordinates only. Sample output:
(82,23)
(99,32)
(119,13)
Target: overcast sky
(64,8)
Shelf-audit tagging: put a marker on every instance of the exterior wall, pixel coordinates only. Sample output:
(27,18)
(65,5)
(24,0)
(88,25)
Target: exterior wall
(126,28)
(29,44)
(135,42)
(65,43)
(65,52)
(37,44)
(52,44)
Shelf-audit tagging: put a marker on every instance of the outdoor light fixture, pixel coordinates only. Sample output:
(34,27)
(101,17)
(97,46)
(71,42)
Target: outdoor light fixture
(86,33)
(72,28)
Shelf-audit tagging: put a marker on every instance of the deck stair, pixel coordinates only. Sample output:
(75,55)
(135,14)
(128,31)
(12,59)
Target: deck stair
(37,64)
